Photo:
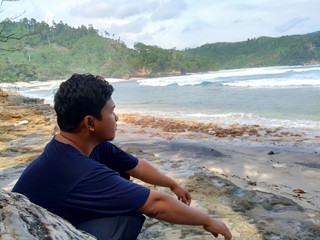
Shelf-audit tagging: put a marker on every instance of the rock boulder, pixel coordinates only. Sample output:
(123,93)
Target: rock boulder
(22,220)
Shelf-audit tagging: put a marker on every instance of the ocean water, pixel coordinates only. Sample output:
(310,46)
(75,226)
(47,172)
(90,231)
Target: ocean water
(286,96)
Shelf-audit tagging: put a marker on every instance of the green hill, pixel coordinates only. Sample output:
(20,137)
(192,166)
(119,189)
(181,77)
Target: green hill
(263,51)
(57,51)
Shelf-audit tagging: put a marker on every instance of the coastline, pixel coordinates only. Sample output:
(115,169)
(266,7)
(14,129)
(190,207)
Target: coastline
(247,186)
(280,163)
(247,180)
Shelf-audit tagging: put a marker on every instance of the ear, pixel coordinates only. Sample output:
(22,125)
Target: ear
(89,122)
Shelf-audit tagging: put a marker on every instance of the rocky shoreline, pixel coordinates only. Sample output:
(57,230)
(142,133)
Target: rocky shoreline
(26,124)
(180,150)
(251,213)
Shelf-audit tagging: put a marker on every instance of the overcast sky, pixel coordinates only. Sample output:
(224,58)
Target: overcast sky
(177,23)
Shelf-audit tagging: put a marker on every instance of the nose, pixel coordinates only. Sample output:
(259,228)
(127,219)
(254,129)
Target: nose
(116,117)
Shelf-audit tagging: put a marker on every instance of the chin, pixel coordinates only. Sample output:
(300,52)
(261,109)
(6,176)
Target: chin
(111,138)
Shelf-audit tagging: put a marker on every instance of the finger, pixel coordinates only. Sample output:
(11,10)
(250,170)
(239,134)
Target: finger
(188,196)
(188,200)
(184,200)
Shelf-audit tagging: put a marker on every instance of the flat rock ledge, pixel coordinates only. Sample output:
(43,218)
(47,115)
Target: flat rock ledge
(20,219)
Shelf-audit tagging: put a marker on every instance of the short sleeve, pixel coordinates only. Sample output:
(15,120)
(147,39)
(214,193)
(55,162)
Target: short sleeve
(113,157)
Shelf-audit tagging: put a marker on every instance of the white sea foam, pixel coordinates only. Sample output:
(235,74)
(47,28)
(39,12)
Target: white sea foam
(264,77)
(275,82)
(41,85)
(40,89)
(226,119)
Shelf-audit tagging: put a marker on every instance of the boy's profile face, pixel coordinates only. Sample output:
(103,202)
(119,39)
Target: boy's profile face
(105,129)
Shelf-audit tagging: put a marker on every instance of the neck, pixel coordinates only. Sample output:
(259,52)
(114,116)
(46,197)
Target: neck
(77,141)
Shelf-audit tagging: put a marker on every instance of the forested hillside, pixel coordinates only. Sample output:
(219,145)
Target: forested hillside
(57,51)
(263,51)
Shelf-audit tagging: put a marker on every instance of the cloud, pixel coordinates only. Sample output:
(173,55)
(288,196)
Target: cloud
(135,26)
(48,17)
(292,23)
(113,8)
(178,23)
(195,26)
(169,10)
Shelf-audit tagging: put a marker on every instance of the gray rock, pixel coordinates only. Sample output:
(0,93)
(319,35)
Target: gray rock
(20,219)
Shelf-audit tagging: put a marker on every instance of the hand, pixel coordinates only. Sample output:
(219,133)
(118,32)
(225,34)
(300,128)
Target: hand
(216,227)
(182,194)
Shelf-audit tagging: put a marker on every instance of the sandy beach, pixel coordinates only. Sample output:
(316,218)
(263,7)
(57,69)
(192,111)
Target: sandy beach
(264,184)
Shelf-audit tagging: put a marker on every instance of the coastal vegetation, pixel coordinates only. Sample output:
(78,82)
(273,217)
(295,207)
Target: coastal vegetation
(58,50)
(263,51)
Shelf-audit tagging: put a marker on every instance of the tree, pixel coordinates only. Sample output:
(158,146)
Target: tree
(7,35)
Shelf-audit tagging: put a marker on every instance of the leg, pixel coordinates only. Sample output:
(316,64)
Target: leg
(114,228)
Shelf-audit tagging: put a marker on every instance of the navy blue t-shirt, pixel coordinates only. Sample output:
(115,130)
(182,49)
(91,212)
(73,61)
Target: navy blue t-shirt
(80,188)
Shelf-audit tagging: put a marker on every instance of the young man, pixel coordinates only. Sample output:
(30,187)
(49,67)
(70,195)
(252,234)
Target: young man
(84,178)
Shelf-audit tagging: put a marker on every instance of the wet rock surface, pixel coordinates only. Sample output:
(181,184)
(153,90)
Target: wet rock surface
(250,214)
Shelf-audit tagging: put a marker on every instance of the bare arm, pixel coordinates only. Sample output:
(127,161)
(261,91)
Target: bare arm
(149,174)
(166,208)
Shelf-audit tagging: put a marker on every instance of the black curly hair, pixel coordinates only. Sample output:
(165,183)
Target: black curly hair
(79,96)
